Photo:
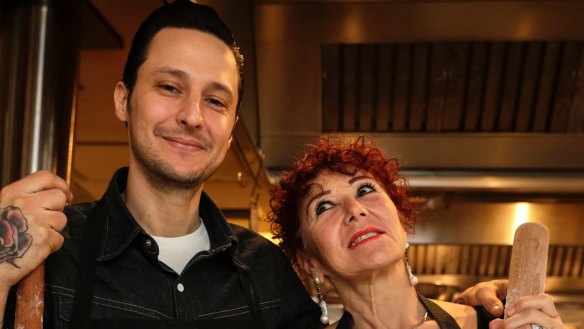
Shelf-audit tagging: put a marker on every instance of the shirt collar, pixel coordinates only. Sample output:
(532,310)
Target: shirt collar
(121,228)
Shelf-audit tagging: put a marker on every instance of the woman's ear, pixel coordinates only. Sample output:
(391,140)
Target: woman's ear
(309,264)
(121,101)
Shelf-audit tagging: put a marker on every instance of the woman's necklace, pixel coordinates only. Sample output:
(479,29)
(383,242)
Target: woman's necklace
(417,325)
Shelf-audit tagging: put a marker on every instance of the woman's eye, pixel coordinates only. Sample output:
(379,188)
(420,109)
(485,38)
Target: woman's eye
(322,206)
(365,189)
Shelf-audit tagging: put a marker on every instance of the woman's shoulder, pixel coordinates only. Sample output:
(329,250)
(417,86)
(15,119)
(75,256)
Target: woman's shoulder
(464,315)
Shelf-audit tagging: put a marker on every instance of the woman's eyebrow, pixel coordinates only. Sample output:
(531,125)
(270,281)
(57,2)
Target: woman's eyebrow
(356,178)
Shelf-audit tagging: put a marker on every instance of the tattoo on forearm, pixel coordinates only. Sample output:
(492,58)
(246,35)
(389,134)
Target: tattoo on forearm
(14,239)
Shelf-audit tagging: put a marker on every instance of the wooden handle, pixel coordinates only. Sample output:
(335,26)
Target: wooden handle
(528,262)
(30,300)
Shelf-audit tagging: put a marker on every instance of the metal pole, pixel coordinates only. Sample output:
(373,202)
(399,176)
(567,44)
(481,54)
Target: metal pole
(40,60)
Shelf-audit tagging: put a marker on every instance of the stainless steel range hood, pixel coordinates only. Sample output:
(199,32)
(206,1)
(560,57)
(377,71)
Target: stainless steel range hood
(465,102)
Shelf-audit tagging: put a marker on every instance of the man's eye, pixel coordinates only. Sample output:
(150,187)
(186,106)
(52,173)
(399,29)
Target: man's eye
(322,206)
(365,189)
(216,102)
(169,88)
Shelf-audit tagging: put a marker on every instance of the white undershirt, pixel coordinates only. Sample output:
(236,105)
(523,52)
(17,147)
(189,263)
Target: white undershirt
(177,252)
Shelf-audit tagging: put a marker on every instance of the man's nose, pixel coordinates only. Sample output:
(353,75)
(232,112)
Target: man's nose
(190,113)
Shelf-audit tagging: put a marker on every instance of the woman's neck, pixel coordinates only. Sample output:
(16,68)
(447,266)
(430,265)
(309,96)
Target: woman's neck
(382,299)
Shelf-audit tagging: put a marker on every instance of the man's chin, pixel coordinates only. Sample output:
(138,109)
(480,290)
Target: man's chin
(167,172)
(187,179)
(168,177)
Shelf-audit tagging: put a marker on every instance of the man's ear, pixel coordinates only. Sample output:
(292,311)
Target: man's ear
(121,101)
(232,129)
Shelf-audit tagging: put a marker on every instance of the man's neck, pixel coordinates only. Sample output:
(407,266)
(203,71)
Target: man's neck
(162,212)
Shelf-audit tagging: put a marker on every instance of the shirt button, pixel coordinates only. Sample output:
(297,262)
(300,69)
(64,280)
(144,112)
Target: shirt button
(148,243)
(180,287)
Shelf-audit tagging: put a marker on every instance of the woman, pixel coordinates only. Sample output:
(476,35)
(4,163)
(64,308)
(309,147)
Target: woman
(342,213)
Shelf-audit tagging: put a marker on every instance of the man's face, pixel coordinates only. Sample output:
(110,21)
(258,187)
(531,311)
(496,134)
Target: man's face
(183,107)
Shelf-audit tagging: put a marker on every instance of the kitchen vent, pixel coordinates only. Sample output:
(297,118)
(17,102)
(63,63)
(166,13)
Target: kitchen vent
(489,260)
(495,87)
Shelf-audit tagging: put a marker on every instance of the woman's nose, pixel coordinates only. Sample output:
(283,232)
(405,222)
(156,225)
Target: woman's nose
(355,210)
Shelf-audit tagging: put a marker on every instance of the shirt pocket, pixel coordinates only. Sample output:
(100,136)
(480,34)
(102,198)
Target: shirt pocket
(242,314)
(108,309)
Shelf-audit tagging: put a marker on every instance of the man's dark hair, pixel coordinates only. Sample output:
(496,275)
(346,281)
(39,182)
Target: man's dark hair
(178,14)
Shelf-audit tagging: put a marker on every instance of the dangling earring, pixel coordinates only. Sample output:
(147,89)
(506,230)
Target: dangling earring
(412,277)
(324,319)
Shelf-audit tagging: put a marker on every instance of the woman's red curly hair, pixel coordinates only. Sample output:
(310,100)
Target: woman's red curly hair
(333,154)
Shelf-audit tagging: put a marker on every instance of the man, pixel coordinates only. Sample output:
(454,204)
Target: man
(155,251)
(163,249)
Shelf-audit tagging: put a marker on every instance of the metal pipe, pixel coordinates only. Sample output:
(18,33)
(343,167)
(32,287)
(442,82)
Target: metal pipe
(40,55)
(40,60)
(38,118)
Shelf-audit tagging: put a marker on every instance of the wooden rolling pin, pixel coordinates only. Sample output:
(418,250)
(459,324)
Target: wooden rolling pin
(30,300)
(528,262)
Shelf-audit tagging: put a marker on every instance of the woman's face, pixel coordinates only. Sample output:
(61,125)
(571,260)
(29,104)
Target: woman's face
(350,225)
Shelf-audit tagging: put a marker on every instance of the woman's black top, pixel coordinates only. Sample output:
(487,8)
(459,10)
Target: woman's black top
(444,320)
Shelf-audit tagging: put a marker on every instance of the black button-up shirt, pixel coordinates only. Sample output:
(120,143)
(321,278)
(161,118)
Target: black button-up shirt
(131,284)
